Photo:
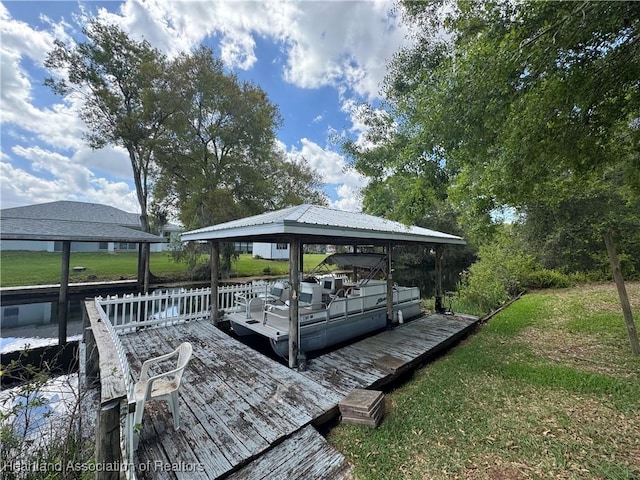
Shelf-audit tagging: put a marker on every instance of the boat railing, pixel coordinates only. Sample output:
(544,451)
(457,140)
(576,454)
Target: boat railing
(405,294)
(282,311)
(252,297)
(339,305)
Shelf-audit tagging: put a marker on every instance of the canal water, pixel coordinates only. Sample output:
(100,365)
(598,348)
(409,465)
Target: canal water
(29,325)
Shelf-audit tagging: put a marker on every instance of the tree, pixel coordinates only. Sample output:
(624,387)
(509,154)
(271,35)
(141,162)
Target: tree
(527,102)
(294,182)
(219,161)
(568,236)
(529,99)
(121,82)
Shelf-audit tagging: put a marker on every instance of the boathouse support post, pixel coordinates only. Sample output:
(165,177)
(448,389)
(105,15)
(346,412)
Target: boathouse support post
(294,279)
(355,269)
(147,266)
(63,294)
(439,307)
(389,284)
(140,279)
(215,269)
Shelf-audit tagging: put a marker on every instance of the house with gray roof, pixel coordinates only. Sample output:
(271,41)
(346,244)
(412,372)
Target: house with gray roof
(92,227)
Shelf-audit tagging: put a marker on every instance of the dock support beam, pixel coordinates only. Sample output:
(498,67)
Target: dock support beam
(389,284)
(63,294)
(215,269)
(294,279)
(439,307)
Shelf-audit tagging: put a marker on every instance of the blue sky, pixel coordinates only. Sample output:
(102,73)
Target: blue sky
(319,61)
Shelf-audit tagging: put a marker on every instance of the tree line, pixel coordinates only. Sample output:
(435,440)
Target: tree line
(516,124)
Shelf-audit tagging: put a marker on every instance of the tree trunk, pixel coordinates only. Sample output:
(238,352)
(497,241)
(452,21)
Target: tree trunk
(622,293)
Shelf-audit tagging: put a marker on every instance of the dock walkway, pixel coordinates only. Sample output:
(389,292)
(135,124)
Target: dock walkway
(243,413)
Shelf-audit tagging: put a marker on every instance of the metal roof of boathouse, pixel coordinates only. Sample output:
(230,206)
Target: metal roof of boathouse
(320,224)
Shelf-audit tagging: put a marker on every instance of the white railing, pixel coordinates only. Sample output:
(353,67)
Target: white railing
(159,308)
(169,307)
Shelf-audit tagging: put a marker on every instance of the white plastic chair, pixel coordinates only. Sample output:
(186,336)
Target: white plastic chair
(163,386)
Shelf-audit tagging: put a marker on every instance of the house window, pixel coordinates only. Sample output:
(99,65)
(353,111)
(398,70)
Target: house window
(103,246)
(281,246)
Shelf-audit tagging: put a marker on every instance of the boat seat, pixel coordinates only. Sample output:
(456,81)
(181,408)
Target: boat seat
(272,306)
(163,386)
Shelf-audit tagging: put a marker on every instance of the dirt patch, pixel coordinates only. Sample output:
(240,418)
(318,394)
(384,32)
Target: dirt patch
(584,351)
(493,467)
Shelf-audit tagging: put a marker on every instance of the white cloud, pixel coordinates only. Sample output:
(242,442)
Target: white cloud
(20,187)
(331,165)
(348,200)
(113,161)
(56,165)
(334,170)
(345,45)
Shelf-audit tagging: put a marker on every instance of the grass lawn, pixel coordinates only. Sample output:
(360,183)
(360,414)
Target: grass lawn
(547,389)
(41,268)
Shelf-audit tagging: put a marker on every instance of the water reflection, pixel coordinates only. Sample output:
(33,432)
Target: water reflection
(425,278)
(36,324)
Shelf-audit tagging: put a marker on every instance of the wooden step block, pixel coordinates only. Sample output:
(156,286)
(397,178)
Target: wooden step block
(365,407)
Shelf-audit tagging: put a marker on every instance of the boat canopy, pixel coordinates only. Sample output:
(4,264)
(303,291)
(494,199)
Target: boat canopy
(359,260)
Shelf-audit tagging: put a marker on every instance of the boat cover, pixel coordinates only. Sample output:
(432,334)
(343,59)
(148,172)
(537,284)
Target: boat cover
(360,260)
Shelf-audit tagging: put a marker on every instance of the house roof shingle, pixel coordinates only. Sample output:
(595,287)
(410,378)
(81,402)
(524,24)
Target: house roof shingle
(75,221)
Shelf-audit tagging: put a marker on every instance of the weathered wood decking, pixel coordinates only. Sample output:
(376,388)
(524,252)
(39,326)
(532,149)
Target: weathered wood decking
(243,413)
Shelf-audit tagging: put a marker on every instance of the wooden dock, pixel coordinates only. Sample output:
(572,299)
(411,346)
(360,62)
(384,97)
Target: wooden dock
(244,415)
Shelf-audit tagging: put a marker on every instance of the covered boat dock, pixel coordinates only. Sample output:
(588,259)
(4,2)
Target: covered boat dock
(244,415)
(66,222)
(312,224)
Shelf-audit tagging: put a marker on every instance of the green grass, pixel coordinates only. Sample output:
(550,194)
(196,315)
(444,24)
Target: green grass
(530,395)
(247,266)
(42,268)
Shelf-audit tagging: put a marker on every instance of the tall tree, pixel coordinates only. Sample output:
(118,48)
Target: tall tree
(120,82)
(527,99)
(219,161)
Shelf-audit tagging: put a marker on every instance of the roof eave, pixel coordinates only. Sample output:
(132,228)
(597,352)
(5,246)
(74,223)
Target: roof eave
(290,227)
